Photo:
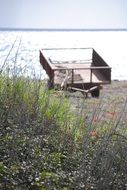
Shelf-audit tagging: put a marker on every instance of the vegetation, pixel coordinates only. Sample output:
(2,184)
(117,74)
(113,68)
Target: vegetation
(37,141)
(51,141)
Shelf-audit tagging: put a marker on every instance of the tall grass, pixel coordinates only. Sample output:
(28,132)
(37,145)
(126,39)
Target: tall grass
(47,144)
(36,132)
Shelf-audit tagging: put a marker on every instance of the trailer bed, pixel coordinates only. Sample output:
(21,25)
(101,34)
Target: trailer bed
(80,75)
(77,67)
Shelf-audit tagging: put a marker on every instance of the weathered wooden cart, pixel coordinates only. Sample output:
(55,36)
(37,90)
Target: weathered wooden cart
(76,69)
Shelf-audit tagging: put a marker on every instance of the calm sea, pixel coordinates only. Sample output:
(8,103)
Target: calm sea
(20,49)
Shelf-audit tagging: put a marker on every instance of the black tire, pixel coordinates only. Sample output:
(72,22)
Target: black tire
(49,84)
(95,93)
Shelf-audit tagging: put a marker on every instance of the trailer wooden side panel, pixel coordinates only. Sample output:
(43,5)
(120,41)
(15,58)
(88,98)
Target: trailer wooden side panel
(98,61)
(46,66)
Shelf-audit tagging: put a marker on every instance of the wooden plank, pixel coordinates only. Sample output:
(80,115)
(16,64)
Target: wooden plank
(78,67)
(65,81)
(85,92)
(78,89)
(70,66)
(79,76)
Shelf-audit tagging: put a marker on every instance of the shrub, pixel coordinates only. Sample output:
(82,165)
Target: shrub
(46,144)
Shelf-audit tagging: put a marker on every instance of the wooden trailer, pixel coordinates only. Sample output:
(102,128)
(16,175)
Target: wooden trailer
(76,69)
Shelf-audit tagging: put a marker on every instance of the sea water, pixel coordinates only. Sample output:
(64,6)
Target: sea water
(20,49)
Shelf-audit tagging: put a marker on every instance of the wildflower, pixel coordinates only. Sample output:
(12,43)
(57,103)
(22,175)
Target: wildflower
(95,119)
(111,114)
(93,134)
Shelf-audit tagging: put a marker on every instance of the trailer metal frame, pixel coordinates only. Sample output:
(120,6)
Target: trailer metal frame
(84,75)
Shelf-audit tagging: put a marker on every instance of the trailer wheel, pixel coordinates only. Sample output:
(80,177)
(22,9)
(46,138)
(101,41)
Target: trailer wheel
(49,84)
(95,93)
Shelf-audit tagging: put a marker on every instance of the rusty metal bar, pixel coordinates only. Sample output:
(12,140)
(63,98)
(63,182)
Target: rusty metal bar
(87,68)
(91,75)
(67,48)
(72,76)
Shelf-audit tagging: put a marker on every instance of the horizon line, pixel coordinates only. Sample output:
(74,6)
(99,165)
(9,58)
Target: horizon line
(61,29)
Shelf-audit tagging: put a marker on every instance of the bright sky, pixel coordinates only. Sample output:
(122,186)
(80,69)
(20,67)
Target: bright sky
(63,13)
